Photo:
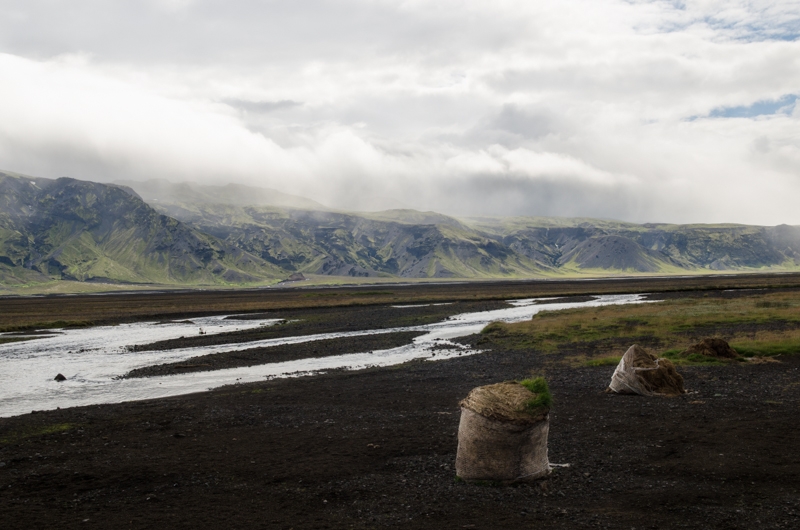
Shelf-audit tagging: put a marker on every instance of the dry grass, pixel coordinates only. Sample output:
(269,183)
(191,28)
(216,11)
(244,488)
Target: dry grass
(757,325)
(43,312)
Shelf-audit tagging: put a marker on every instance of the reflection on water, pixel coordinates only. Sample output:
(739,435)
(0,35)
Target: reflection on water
(92,358)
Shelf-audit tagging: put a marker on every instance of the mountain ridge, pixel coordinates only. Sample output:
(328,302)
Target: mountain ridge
(199,235)
(85,231)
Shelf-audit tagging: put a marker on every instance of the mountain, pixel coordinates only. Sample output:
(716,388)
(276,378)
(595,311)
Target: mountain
(396,243)
(197,235)
(585,244)
(78,230)
(408,243)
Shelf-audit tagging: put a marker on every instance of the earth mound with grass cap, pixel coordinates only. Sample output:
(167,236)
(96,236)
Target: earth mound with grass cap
(502,435)
(716,348)
(643,373)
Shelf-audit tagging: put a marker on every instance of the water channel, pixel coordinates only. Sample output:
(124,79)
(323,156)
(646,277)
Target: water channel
(92,359)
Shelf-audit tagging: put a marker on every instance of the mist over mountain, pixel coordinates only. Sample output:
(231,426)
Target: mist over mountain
(156,190)
(85,231)
(186,234)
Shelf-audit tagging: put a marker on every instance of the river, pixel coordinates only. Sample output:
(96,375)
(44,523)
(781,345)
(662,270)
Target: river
(92,359)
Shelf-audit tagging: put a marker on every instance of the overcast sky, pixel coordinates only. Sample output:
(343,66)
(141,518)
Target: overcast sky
(647,111)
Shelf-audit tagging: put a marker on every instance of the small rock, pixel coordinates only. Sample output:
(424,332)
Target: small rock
(2,464)
(179,435)
(59,378)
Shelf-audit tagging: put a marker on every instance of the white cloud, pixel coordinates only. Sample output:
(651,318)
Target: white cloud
(582,107)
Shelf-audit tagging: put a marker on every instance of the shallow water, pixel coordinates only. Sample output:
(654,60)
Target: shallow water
(92,358)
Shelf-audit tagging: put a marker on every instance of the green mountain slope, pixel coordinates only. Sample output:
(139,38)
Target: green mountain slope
(611,245)
(197,235)
(346,244)
(71,229)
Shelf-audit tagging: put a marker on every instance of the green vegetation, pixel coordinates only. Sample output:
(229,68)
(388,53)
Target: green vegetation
(357,293)
(756,325)
(543,398)
(767,347)
(87,231)
(36,431)
(58,324)
(611,360)
(108,235)
(675,356)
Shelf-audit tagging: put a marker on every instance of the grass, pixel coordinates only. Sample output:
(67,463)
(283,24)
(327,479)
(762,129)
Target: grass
(9,340)
(755,325)
(40,431)
(543,399)
(357,293)
(58,324)
(611,360)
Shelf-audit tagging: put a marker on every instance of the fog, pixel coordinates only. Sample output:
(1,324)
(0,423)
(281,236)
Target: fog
(646,111)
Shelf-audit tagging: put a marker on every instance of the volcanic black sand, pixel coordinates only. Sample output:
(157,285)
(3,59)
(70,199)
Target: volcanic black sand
(278,354)
(376,448)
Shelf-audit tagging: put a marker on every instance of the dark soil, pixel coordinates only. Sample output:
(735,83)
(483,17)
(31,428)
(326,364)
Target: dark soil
(278,354)
(376,448)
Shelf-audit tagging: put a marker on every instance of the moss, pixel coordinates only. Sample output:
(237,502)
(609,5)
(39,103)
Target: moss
(543,398)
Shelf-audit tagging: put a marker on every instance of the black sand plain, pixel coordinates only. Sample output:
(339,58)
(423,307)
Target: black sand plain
(375,448)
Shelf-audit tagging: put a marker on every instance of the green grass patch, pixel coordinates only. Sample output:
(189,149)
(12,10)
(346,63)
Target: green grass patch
(36,431)
(772,348)
(611,360)
(763,324)
(543,399)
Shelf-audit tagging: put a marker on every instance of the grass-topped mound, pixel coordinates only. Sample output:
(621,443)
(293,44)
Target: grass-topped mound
(511,402)
(715,348)
(502,434)
(641,372)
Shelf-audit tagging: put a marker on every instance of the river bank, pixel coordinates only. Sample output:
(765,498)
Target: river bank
(375,448)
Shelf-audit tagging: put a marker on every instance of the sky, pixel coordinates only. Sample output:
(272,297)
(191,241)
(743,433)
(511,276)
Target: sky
(644,111)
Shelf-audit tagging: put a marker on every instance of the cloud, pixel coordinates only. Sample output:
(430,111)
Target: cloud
(634,110)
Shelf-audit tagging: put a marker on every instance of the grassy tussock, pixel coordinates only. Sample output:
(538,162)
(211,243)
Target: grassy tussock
(758,325)
(538,385)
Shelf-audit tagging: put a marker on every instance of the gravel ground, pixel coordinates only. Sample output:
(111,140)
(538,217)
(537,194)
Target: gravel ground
(376,449)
